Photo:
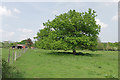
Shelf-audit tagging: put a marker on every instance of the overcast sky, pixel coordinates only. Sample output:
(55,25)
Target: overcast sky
(22,20)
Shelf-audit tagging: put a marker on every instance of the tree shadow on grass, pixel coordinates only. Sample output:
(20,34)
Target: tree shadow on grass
(77,54)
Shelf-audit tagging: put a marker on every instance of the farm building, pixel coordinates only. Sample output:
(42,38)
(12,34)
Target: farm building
(19,46)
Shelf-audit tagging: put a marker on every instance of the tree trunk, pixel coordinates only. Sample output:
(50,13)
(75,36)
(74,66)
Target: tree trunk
(74,52)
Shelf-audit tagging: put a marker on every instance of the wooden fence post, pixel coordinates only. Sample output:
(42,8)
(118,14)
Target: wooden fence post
(24,50)
(9,56)
(19,53)
(15,55)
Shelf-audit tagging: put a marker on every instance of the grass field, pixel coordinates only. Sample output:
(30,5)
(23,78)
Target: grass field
(39,63)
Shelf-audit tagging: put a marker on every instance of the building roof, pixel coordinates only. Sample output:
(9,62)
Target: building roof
(21,45)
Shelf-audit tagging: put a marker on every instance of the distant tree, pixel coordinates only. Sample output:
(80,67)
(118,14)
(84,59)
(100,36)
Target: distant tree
(23,42)
(0,44)
(108,47)
(29,42)
(6,44)
(11,44)
(69,31)
(15,43)
(100,45)
(119,46)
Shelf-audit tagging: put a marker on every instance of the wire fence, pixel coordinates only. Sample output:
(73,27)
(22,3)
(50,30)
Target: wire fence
(14,54)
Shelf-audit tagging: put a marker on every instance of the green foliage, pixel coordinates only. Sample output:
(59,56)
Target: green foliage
(9,71)
(100,46)
(29,42)
(119,45)
(69,31)
(23,42)
(0,44)
(107,46)
(5,69)
(13,44)
(5,44)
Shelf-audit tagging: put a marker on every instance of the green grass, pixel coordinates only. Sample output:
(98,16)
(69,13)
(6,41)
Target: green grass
(40,63)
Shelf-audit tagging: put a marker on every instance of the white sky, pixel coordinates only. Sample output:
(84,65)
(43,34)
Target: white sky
(60,0)
(21,20)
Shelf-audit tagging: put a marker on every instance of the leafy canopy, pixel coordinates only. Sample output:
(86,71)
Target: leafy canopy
(70,30)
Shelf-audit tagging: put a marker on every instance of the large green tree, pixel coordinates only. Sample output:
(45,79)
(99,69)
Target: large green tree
(70,31)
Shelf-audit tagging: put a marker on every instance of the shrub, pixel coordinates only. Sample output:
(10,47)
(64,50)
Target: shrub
(9,71)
